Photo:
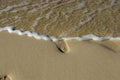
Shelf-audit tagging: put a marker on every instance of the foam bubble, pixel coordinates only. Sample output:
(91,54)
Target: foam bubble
(11,29)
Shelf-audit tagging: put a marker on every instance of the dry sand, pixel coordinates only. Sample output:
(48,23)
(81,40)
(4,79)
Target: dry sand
(24,58)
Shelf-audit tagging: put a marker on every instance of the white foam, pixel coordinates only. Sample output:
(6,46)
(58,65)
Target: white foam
(11,29)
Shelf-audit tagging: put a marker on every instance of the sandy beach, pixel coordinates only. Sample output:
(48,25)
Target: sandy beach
(24,58)
(53,58)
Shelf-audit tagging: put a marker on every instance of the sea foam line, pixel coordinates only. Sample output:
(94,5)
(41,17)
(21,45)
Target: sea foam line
(11,29)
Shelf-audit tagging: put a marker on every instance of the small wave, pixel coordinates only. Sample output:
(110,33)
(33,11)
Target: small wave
(12,29)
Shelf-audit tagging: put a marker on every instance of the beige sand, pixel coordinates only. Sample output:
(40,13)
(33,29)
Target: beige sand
(24,58)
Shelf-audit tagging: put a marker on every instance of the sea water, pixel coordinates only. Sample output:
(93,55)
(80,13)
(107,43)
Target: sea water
(56,19)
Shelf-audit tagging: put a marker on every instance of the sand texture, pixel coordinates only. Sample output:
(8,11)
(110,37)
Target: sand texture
(62,17)
(24,58)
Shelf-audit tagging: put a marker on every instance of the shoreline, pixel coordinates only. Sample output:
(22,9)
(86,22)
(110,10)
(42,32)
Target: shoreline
(93,37)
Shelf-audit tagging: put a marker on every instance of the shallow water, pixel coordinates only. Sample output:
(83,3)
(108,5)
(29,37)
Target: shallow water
(62,18)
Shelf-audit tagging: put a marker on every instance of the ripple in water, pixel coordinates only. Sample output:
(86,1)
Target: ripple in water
(62,18)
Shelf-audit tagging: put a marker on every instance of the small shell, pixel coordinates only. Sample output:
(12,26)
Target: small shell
(62,46)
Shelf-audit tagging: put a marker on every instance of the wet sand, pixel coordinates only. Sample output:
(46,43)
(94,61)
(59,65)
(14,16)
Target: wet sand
(24,58)
(62,18)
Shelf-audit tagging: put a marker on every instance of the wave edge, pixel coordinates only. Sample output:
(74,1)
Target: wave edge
(12,29)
